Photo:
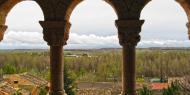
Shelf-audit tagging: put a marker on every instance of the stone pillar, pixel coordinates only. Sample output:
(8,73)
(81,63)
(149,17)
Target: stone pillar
(188,27)
(3,28)
(128,32)
(56,34)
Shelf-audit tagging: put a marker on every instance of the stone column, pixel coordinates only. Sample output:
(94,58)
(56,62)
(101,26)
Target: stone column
(56,34)
(3,28)
(188,27)
(128,31)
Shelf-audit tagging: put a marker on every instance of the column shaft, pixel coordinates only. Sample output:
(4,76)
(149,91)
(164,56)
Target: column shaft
(56,34)
(128,74)
(56,69)
(128,33)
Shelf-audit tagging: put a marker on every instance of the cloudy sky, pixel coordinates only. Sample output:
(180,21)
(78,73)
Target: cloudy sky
(93,26)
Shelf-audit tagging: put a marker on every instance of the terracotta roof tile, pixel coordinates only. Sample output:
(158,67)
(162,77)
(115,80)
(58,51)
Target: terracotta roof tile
(159,86)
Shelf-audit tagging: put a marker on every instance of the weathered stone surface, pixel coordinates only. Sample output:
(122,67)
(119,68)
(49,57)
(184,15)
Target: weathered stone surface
(186,6)
(56,33)
(2,30)
(188,26)
(128,31)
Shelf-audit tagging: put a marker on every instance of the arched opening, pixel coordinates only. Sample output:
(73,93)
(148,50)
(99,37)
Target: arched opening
(164,33)
(89,26)
(18,49)
(24,30)
(164,24)
(93,27)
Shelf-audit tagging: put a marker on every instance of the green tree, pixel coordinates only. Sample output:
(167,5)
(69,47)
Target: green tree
(43,91)
(69,84)
(9,69)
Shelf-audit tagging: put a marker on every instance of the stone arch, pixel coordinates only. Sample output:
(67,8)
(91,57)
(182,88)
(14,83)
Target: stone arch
(73,5)
(119,6)
(7,5)
(186,6)
(127,9)
(123,9)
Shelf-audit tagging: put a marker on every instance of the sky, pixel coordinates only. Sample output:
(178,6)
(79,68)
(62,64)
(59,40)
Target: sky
(93,26)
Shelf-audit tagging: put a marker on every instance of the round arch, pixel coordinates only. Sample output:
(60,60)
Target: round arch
(75,3)
(186,6)
(22,21)
(5,8)
(8,5)
(170,15)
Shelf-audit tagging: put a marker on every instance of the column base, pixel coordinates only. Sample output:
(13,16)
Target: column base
(58,93)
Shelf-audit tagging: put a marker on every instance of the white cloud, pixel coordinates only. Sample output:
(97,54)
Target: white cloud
(164,43)
(93,26)
(22,40)
(92,41)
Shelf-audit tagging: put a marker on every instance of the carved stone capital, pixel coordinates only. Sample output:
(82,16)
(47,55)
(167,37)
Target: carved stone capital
(128,31)
(3,28)
(56,33)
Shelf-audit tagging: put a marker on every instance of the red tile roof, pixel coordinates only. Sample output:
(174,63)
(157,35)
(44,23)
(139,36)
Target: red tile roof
(159,86)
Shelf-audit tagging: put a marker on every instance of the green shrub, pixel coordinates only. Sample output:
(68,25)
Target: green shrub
(17,93)
(43,91)
(174,89)
(69,84)
(9,69)
(145,91)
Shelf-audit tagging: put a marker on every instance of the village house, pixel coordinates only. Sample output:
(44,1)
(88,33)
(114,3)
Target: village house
(25,83)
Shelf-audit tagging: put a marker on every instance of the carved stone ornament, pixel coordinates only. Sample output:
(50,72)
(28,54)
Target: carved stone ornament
(2,31)
(128,31)
(56,33)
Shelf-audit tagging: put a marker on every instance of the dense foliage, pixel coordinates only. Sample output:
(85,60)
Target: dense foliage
(69,82)
(18,62)
(100,65)
(145,91)
(174,89)
(43,91)
(106,65)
